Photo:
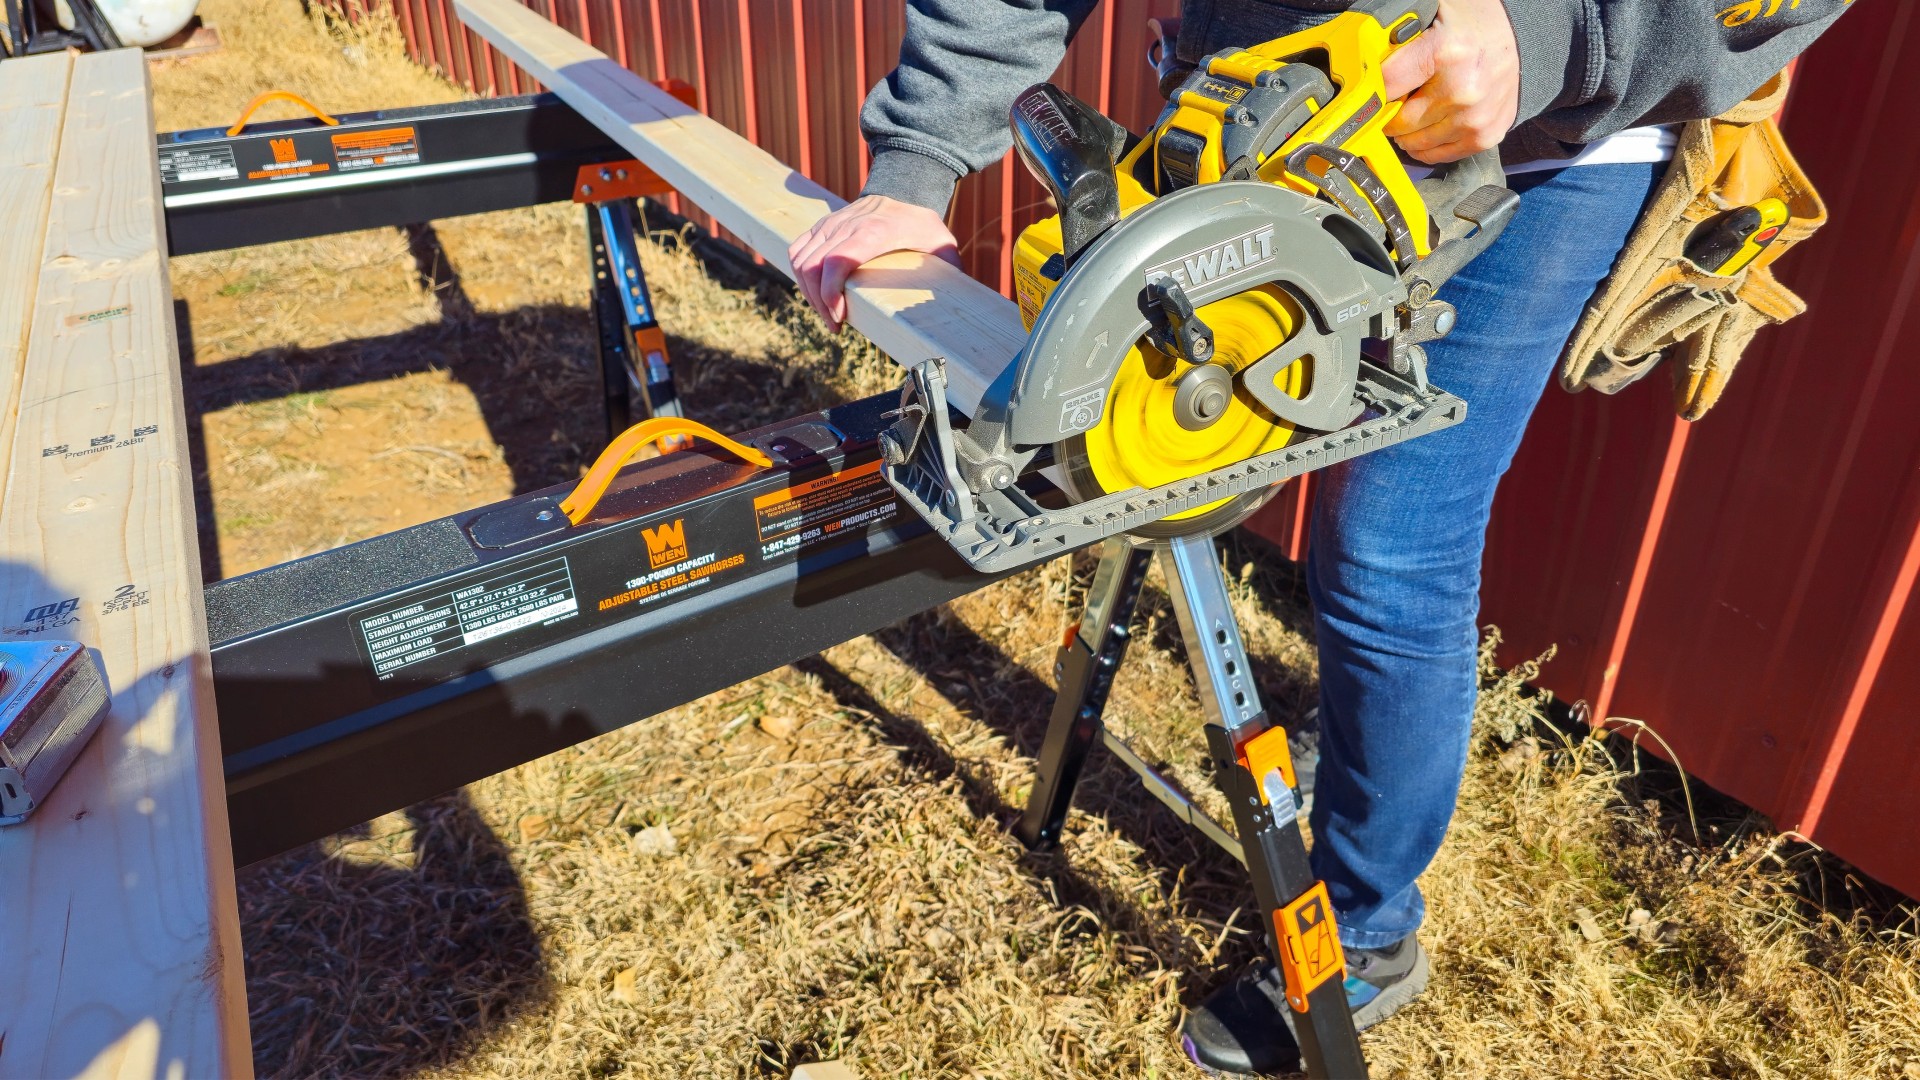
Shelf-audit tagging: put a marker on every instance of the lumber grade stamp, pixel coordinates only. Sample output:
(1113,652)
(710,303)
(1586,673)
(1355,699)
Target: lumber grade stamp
(123,934)
(912,306)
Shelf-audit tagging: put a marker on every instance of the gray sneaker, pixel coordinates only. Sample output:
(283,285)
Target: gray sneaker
(1246,1027)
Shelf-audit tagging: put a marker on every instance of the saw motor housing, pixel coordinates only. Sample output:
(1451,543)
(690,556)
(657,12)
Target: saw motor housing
(1236,117)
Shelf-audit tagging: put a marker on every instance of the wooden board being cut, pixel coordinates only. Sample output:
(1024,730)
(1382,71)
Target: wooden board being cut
(912,306)
(123,941)
(33,98)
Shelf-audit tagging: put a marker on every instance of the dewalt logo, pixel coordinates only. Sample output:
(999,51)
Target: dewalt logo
(282,150)
(666,544)
(1247,251)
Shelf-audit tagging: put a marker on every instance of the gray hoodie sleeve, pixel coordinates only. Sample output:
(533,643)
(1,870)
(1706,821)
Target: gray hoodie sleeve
(1590,68)
(942,113)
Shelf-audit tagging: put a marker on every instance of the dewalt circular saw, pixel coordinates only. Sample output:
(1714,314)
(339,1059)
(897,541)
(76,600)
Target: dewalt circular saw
(1234,299)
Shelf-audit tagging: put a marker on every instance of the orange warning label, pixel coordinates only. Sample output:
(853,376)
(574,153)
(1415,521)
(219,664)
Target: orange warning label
(376,149)
(821,508)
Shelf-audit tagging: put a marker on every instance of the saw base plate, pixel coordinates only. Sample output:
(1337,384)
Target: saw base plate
(1005,529)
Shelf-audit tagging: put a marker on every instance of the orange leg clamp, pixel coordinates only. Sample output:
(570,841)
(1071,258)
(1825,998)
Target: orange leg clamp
(1310,951)
(1267,751)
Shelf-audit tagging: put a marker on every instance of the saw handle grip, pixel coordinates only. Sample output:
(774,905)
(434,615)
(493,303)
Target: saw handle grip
(1469,203)
(1389,12)
(1448,185)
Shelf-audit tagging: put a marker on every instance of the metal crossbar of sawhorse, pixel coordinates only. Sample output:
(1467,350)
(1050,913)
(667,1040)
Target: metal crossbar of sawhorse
(1252,768)
(388,167)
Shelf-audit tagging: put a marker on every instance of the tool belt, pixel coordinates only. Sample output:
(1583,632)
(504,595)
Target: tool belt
(1658,305)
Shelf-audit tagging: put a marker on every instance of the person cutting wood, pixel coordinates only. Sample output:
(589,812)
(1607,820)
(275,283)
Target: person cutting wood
(1588,103)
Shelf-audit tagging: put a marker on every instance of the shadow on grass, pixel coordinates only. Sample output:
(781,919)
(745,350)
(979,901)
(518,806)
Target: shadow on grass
(366,961)
(1172,850)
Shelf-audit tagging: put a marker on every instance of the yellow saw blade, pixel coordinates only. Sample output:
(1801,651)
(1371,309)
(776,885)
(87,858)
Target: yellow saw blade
(1140,443)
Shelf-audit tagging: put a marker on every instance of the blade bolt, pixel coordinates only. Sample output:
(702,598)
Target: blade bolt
(1201,396)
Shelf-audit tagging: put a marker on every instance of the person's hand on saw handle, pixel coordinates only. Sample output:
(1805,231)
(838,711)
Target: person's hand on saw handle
(1461,82)
(826,255)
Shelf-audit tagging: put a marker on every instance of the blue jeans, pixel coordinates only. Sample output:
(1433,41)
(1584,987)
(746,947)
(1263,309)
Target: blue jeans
(1394,566)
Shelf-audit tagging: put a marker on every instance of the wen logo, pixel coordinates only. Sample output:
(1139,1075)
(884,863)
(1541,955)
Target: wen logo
(666,544)
(282,150)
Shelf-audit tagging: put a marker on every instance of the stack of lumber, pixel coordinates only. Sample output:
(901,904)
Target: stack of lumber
(123,942)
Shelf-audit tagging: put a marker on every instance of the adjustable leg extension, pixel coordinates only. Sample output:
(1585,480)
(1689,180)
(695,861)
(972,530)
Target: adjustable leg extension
(1083,672)
(633,348)
(1255,771)
(1251,763)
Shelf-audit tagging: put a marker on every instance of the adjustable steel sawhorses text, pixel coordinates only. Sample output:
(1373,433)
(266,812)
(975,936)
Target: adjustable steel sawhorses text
(1252,766)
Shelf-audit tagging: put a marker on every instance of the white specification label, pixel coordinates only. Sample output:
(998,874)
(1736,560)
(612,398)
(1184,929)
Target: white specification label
(446,622)
(182,164)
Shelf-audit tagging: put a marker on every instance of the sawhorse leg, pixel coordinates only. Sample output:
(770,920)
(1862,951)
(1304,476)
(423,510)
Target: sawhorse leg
(633,348)
(1083,671)
(1254,770)
(1251,765)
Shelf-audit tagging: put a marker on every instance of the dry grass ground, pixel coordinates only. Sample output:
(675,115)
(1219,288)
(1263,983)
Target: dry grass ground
(816,863)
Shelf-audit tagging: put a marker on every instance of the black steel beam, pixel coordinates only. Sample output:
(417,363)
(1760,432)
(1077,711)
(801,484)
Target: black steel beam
(363,679)
(291,179)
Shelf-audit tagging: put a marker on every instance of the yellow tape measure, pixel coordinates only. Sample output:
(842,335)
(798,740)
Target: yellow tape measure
(1726,244)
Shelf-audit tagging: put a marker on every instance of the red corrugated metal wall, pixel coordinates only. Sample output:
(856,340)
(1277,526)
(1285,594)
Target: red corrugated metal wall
(1743,585)
(809,63)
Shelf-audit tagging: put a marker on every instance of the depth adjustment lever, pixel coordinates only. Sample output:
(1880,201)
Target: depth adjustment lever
(1176,329)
